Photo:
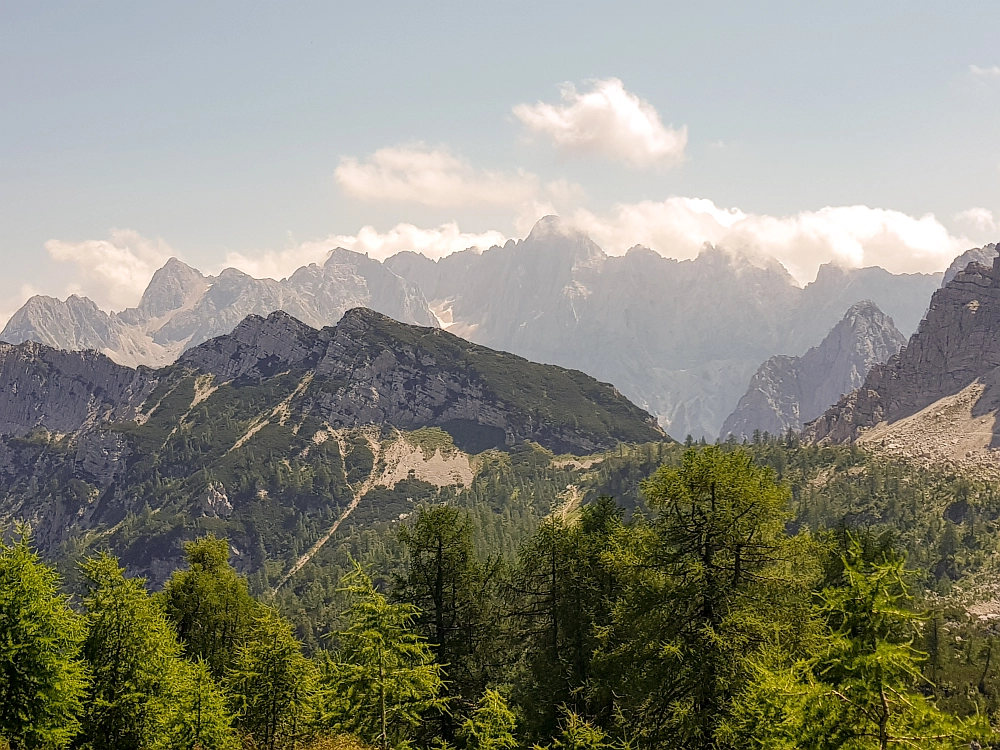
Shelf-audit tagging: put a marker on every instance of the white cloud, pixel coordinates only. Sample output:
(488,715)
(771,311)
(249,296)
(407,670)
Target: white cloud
(26,292)
(609,121)
(433,177)
(977,218)
(114,273)
(851,236)
(434,243)
(991,72)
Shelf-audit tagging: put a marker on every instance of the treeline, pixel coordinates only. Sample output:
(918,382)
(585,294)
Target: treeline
(703,620)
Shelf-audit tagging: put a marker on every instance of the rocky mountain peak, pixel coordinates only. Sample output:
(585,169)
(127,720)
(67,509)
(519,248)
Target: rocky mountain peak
(984,255)
(173,287)
(786,392)
(76,323)
(955,346)
(182,307)
(258,347)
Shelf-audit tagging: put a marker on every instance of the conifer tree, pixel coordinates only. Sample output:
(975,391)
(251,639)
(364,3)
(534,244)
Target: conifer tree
(132,654)
(272,684)
(42,679)
(193,712)
(560,596)
(712,582)
(448,584)
(210,604)
(491,726)
(861,689)
(382,678)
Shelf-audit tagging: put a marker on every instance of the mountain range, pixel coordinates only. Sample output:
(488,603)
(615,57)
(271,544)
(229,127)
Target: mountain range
(938,399)
(274,430)
(182,308)
(786,392)
(681,339)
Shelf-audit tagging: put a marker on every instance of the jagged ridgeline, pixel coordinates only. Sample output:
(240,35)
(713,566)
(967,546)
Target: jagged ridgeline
(277,434)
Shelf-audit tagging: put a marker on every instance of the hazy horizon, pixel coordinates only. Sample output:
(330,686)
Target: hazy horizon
(260,138)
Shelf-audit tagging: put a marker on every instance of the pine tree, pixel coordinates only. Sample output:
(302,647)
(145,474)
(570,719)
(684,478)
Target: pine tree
(382,679)
(193,712)
(42,679)
(713,581)
(560,595)
(132,654)
(576,733)
(860,688)
(210,604)
(272,684)
(445,580)
(491,726)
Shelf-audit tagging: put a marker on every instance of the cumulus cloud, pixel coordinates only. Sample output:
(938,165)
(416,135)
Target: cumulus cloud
(978,218)
(26,292)
(112,272)
(851,236)
(992,71)
(609,121)
(432,177)
(434,243)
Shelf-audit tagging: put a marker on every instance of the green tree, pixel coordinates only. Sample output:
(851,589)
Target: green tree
(860,689)
(560,596)
(576,733)
(193,712)
(272,684)
(42,679)
(452,590)
(382,678)
(132,654)
(210,604)
(713,583)
(491,726)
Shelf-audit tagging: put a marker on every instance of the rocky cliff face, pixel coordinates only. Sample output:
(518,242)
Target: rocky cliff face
(366,370)
(369,369)
(276,426)
(787,392)
(65,392)
(680,338)
(984,256)
(182,308)
(955,346)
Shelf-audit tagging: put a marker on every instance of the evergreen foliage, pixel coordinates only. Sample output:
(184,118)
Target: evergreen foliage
(491,725)
(210,605)
(382,678)
(131,652)
(42,679)
(272,685)
(728,596)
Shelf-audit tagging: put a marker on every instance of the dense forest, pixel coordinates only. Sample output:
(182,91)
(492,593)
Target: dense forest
(768,595)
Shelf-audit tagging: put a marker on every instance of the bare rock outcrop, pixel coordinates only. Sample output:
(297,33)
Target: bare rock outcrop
(957,343)
(182,308)
(787,392)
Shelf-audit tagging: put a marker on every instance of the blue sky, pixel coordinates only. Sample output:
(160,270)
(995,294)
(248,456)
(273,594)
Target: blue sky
(257,134)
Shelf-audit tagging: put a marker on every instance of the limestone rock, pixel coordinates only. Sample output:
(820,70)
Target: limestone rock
(182,308)
(955,345)
(787,392)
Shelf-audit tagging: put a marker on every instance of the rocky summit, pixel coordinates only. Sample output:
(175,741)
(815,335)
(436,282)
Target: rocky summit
(787,392)
(680,338)
(937,399)
(274,409)
(182,308)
